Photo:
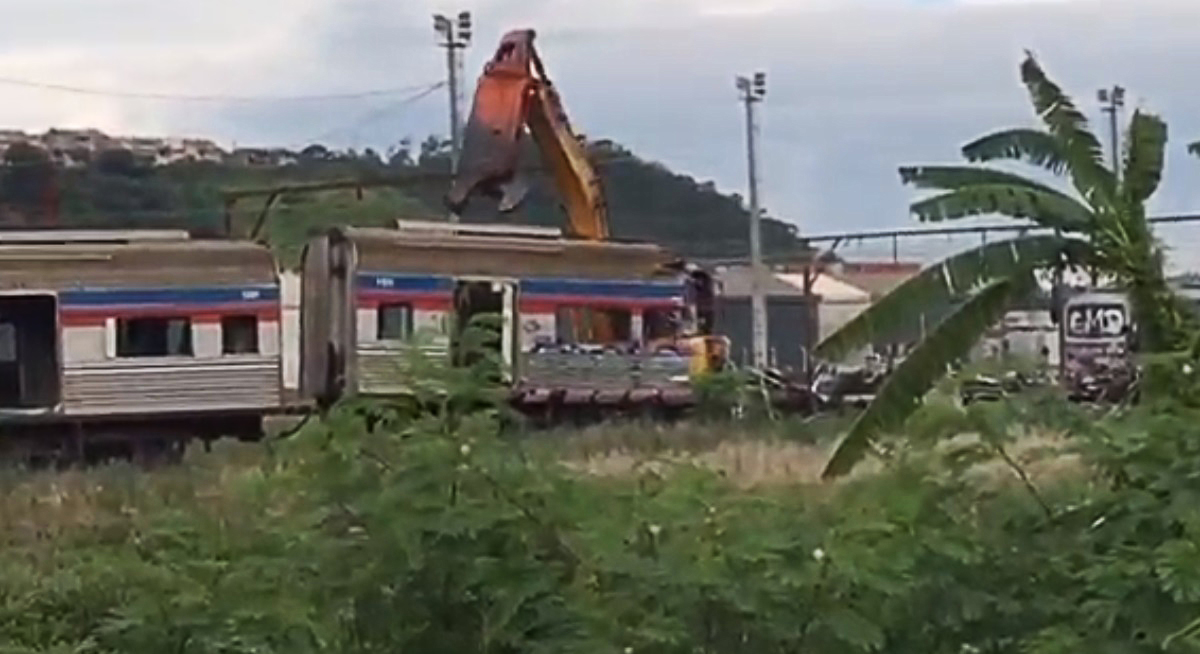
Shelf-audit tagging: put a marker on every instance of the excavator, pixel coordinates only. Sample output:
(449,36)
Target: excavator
(514,94)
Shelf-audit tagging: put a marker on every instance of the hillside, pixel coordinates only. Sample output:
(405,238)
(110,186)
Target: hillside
(647,201)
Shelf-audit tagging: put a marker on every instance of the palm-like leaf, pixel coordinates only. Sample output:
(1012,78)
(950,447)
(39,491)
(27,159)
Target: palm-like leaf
(940,285)
(981,191)
(952,178)
(1145,152)
(1048,209)
(1194,148)
(907,384)
(1030,145)
(1067,124)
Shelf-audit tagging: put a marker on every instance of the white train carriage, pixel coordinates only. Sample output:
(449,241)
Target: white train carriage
(135,336)
(366,292)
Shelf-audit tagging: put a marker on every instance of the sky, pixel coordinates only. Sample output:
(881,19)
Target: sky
(856,88)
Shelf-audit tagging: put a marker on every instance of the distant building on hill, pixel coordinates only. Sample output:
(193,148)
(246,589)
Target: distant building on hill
(71,148)
(262,157)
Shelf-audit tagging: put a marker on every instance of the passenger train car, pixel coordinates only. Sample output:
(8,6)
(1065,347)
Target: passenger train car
(367,291)
(108,335)
(140,340)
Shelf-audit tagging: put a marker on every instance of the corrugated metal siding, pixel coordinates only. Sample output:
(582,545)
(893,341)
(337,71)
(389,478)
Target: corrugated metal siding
(383,369)
(600,371)
(171,385)
(791,328)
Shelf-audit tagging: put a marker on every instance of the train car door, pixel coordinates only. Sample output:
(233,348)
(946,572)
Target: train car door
(30,360)
(481,297)
(510,337)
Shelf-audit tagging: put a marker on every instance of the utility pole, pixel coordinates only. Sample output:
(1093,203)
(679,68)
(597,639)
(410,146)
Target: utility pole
(456,35)
(751,91)
(1112,101)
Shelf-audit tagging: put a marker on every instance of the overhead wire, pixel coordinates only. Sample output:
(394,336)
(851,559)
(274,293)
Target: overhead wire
(229,98)
(372,115)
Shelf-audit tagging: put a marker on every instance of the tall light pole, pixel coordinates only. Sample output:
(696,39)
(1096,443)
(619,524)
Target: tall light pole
(751,91)
(455,36)
(1111,102)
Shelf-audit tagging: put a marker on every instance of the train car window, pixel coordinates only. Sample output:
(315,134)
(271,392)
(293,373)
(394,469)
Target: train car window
(567,324)
(577,324)
(239,335)
(395,322)
(658,324)
(154,337)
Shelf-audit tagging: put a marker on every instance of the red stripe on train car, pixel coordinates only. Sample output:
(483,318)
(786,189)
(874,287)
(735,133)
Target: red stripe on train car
(90,317)
(543,304)
(421,301)
(536,304)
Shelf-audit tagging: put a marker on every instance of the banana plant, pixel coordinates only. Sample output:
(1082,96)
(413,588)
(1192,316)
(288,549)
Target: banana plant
(1096,218)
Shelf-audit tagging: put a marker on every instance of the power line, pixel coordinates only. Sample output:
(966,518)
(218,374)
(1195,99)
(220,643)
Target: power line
(973,229)
(183,97)
(375,114)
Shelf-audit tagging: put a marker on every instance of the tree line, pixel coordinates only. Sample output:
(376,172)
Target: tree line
(115,188)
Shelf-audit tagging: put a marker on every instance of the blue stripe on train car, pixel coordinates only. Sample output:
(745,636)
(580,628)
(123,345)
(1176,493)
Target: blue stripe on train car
(404,283)
(601,288)
(529,287)
(168,296)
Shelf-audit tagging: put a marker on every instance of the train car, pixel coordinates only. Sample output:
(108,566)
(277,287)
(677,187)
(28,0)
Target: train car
(368,292)
(134,340)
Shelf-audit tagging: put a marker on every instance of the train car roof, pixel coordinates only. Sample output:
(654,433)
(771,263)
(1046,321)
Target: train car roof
(173,262)
(65,236)
(502,253)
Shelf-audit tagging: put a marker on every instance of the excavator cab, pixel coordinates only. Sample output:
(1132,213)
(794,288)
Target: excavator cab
(708,351)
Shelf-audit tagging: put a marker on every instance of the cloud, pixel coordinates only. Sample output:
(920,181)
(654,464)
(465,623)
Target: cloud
(856,88)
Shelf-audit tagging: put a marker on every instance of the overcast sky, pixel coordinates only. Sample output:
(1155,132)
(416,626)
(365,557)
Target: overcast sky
(856,87)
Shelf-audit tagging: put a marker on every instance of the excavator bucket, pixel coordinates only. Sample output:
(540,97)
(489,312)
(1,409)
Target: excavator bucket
(492,136)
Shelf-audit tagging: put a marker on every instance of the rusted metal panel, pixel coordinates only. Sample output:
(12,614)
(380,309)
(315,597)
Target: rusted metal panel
(174,385)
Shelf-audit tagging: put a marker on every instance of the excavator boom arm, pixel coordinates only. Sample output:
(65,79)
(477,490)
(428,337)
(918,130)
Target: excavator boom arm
(514,94)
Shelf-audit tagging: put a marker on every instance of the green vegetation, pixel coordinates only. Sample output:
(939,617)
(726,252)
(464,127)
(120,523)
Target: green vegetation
(385,528)
(1102,224)
(432,524)
(115,189)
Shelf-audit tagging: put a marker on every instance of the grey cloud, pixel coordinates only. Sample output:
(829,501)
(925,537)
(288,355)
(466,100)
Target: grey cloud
(856,89)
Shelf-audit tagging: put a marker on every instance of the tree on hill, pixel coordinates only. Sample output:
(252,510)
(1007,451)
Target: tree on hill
(29,184)
(647,201)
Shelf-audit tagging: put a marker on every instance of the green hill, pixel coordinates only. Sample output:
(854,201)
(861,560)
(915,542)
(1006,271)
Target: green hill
(647,201)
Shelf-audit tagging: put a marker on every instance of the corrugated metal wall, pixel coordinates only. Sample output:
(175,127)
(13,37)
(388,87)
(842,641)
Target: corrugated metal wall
(792,328)
(136,386)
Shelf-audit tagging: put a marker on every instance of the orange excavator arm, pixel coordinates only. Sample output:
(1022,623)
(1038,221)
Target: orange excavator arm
(514,93)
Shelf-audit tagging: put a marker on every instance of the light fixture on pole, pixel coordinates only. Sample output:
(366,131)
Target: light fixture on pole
(455,37)
(1112,101)
(752,90)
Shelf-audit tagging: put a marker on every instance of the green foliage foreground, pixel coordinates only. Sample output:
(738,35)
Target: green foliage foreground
(388,529)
